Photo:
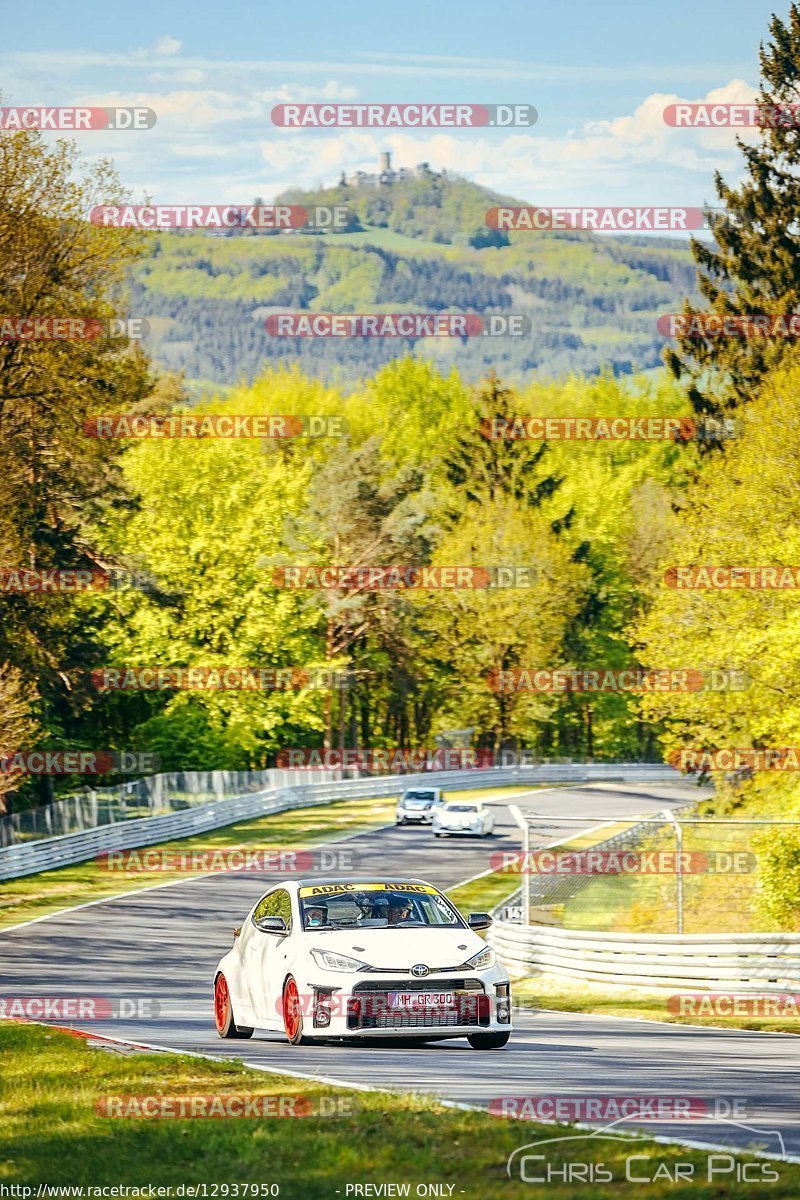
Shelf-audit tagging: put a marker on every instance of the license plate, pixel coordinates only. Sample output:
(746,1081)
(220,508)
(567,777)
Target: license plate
(421,999)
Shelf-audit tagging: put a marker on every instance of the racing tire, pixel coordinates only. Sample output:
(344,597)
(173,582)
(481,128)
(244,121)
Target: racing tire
(435,834)
(293,1014)
(223,1012)
(489,1041)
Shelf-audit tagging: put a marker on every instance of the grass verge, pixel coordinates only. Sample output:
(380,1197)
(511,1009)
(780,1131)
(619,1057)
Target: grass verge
(51,1132)
(581,996)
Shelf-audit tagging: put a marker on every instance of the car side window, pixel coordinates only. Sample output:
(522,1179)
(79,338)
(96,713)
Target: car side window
(275,904)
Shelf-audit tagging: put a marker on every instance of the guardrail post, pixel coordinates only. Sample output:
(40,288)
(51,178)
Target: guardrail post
(516,813)
(669,814)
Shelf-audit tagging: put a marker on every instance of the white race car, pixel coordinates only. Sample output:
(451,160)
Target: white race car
(418,805)
(467,818)
(333,958)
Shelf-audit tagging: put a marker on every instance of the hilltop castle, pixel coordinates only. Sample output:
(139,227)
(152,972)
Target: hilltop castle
(386,175)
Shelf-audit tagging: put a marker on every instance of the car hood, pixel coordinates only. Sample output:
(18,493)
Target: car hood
(458,818)
(400,949)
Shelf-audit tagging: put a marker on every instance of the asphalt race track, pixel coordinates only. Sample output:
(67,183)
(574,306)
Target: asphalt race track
(163,945)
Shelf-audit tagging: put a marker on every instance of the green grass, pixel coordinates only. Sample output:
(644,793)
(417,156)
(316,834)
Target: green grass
(581,996)
(50,1132)
(492,888)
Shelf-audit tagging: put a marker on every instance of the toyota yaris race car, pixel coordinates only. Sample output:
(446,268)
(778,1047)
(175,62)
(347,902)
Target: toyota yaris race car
(352,958)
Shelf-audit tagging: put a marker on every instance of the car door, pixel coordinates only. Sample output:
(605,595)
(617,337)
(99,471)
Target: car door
(266,955)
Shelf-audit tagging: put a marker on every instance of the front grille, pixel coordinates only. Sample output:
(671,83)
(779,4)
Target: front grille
(448,984)
(368,1007)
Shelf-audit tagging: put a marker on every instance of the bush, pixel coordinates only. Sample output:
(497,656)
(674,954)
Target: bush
(778,896)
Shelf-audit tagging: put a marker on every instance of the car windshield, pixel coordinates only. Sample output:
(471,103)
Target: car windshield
(375,906)
(461,808)
(417,798)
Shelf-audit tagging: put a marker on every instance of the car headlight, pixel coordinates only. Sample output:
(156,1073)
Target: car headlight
(484,958)
(330,961)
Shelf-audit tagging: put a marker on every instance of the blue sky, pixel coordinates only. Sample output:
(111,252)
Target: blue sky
(598,73)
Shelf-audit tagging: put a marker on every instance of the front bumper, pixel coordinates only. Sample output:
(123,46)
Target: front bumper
(362,1007)
(415,817)
(458,831)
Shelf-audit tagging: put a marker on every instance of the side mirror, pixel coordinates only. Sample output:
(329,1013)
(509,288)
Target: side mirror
(272,925)
(479,920)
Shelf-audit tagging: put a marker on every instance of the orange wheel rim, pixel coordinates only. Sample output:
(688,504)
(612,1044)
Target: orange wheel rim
(222,1002)
(291,1009)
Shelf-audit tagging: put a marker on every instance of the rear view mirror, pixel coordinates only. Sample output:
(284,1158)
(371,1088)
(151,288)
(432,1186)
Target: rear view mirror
(479,920)
(272,925)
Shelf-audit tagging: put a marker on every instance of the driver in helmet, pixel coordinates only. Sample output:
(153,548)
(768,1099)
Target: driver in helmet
(316,916)
(400,909)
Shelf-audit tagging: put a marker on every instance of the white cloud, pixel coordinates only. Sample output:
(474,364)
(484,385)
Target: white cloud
(636,158)
(168,45)
(178,75)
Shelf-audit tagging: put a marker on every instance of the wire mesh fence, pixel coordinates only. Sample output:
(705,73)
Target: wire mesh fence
(151,796)
(663,874)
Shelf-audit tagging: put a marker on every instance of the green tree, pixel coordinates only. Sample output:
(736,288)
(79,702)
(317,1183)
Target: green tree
(754,266)
(57,483)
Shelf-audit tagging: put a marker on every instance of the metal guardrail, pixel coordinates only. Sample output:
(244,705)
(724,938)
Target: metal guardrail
(47,853)
(744,962)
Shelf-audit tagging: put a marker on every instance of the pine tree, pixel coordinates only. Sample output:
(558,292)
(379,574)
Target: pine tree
(754,267)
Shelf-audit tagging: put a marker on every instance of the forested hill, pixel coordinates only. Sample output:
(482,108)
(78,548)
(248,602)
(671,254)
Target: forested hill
(418,244)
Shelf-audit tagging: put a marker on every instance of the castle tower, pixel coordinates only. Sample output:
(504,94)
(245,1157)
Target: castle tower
(386,162)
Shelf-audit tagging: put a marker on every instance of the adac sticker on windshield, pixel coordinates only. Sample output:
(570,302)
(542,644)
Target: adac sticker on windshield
(331,889)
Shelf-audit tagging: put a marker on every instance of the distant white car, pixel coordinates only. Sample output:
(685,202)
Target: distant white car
(418,805)
(350,958)
(466,818)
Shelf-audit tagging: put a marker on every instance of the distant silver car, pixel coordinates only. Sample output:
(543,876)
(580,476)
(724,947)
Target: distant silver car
(469,818)
(418,805)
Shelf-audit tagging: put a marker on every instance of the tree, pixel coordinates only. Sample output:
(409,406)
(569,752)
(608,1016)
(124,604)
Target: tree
(17,726)
(754,267)
(743,510)
(57,483)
